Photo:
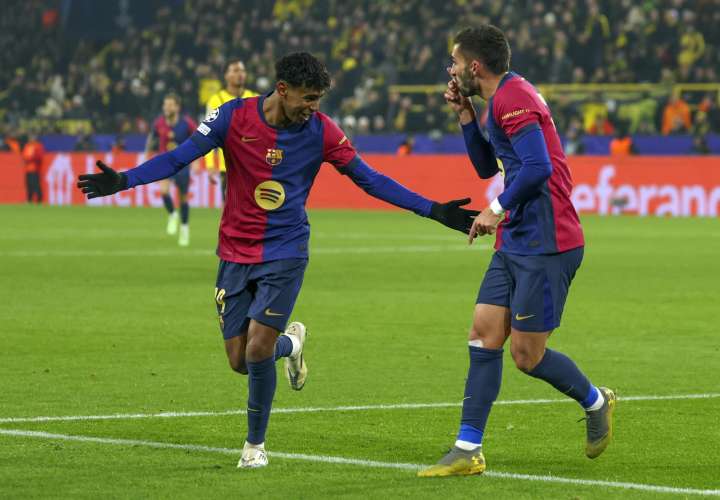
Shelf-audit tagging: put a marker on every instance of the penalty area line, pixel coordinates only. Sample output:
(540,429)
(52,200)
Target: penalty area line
(318,409)
(359,462)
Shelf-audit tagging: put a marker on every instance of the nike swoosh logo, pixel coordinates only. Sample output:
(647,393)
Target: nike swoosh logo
(520,318)
(268,312)
(249,139)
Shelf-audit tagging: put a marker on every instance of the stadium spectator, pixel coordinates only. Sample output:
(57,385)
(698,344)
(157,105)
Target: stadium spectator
(573,144)
(33,154)
(602,126)
(700,129)
(622,143)
(406,146)
(676,116)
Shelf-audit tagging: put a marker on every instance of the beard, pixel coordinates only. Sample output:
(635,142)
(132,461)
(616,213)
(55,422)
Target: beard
(466,84)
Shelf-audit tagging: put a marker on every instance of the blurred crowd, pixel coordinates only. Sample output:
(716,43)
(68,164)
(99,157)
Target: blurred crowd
(116,85)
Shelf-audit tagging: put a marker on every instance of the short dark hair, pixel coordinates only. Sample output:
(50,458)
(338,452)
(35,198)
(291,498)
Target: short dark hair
(302,69)
(230,61)
(487,43)
(174,96)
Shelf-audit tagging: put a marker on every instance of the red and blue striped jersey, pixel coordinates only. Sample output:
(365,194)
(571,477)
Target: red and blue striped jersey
(169,136)
(546,223)
(270,172)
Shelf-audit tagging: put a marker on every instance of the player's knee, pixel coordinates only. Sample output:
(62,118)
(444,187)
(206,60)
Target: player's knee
(483,335)
(258,350)
(525,359)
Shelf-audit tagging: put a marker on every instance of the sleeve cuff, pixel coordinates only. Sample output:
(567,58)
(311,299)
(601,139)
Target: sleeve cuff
(496,208)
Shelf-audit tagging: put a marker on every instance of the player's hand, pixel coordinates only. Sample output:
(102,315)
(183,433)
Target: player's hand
(103,184)
(451,215)
(485,223)
(458,103)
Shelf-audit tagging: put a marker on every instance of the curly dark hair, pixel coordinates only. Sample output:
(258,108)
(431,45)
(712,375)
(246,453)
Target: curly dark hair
(487,43)
(302,69)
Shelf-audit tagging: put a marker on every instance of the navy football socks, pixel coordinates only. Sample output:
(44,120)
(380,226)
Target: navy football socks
(563,374)
(262,380)
(481,391)
(184,212)
(168,202)
(283,347)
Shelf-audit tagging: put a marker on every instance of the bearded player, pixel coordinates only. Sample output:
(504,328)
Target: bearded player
(539,246)
(274,146)
(235,76)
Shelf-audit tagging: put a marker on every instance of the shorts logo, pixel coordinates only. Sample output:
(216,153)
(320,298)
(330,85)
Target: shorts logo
(212,115)
(268,312)
(269,195)
(274,156)
(521,318)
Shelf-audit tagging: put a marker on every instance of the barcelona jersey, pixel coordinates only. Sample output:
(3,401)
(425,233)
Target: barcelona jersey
(270,172)
(546,223)
(170,135)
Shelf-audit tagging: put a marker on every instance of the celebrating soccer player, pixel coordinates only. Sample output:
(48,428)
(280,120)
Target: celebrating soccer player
(235,76)
(539,246)
(169,129)
(274,146)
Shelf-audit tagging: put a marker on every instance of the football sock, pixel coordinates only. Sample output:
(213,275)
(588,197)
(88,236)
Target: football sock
(481,390)
(184,212)
(563,374)
(262,380)
(168,202)
(283,347)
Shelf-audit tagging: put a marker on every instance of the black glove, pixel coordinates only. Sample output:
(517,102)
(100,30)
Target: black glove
(103,184)
(451,215)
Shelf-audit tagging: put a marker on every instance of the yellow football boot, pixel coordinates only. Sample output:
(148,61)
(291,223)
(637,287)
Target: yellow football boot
(457,462)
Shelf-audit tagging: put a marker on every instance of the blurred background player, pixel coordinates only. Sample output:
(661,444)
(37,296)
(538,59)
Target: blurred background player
(276,143)
(168,130)
(33,153)
(539,246)
(235,76)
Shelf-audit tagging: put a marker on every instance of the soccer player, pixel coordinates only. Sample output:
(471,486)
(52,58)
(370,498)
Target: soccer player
(539,246)
(168,130)
(235,76)
(274,146)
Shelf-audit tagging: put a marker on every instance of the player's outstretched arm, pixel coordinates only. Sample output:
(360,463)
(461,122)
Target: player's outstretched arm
(108,181)
(384,188)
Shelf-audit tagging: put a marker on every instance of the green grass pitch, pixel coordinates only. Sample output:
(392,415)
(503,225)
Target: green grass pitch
(101,313)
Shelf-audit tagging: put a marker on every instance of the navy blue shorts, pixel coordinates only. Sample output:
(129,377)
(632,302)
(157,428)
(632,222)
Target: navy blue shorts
(182,180)
(534,287)
(264,292)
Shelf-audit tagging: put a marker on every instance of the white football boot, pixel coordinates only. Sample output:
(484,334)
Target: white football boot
(173,221)
(253,456)
(295,367)
(184,238)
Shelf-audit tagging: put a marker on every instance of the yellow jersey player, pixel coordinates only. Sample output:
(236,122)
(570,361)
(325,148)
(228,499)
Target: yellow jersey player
(235,76)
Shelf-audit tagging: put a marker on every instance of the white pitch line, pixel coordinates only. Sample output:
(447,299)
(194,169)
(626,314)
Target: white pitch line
(359,462)
(318,409)
(460,247)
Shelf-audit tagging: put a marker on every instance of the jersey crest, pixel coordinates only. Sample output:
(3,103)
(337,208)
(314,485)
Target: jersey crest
(274,156)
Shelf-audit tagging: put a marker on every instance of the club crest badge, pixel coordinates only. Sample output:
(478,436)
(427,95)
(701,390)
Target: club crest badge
(274,156)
